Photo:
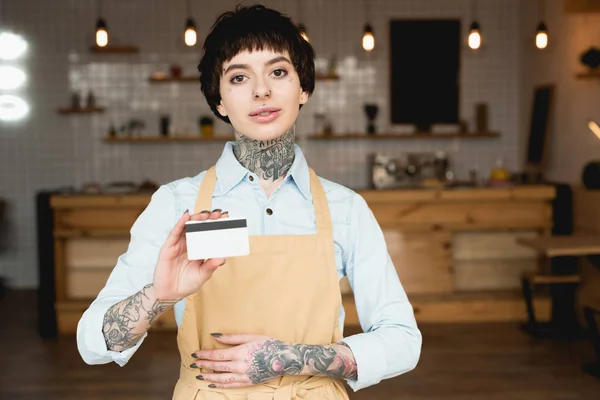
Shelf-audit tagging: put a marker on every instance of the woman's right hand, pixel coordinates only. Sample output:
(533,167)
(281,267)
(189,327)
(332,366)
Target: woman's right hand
(176,277)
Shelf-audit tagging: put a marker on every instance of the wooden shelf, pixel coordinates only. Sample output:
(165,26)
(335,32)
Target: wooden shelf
(116,49)
(392,136)
(83,110)
(168,79)
(593,74)
(327,77)
(159,139)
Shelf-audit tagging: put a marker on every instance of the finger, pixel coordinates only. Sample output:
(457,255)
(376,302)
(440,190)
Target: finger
(221,366)
(225,214)
(213,263)
(178,229)
(215,355)
(232,385)
(201,216)
(227,380)
(238,339)
(216,213)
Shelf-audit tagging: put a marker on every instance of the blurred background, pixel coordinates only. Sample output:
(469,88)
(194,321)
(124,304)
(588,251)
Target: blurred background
(469,126)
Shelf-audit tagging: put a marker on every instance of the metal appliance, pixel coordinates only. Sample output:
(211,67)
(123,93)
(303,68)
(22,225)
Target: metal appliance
(409,170)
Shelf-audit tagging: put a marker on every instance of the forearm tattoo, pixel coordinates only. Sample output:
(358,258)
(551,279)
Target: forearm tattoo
(277,358)
(269,159)
(121,326)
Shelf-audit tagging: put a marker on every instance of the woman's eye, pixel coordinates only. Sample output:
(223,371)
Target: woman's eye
(237,79)
(279,73)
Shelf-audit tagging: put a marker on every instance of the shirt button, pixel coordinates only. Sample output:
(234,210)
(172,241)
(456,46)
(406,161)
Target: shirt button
(269,211)
(251,178)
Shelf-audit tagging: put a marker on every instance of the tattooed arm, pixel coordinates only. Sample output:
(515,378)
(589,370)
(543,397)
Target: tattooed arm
(275,357)
(127,321)
(256,359)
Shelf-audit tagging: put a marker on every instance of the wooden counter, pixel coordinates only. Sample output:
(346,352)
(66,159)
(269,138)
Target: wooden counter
(455,250)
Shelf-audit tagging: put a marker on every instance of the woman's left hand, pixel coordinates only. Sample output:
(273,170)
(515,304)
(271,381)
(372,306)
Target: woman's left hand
(254,359)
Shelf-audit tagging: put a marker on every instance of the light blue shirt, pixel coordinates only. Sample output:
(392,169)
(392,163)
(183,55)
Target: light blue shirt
(391,342)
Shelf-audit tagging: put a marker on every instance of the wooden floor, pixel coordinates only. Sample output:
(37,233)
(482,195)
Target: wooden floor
(458,362)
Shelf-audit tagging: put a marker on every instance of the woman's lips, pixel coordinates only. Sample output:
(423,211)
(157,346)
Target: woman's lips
(271,116)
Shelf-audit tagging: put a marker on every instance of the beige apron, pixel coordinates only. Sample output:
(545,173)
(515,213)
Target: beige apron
(286,288)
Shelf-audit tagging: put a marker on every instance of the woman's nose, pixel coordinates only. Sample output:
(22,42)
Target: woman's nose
(262,93)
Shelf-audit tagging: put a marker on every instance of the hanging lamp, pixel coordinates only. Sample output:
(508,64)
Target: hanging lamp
(190,36)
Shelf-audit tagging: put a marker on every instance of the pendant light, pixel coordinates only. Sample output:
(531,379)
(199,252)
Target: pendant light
(101,29)
(303,32)
(190,35)
(474,33)
(541,37)
(368,40)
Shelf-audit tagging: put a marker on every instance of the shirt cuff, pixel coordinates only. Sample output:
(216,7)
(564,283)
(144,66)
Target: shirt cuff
(370,360)
(91,343)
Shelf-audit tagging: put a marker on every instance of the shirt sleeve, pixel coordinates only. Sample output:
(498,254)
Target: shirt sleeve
(391,342)
(134,269)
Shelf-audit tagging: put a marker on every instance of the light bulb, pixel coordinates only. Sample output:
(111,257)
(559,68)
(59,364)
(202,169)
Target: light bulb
(594,128)
(541,38)
(190,33)
(11,46)
(368,40)
(11,77)
(12,108)
(101,33)
(474,36)
(303,32)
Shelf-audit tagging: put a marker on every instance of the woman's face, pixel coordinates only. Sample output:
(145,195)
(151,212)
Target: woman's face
(261,94)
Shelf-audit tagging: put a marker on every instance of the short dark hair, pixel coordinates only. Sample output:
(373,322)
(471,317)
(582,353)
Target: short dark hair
(249,29)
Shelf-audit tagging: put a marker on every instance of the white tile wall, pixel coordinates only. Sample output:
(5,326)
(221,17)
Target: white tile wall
(48,150)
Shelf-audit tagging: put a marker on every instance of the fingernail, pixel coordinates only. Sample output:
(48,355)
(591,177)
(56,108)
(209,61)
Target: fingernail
(204,212)
(187,211)
(212,386)
(223,263)
(216,210)
(216,334)
(194,355)
(200,377)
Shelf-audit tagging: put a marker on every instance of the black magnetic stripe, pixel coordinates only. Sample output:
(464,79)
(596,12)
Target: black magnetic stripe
(214,226)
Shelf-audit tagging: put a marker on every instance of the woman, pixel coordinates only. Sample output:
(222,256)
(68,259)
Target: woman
(267,325)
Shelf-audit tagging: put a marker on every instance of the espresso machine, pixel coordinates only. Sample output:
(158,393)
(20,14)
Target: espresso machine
(409,170)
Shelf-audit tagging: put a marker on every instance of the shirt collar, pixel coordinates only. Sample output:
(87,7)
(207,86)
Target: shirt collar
(230,172)
(299,172)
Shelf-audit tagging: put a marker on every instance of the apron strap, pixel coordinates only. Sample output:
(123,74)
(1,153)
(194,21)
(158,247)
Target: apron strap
(322,216)
(205,193)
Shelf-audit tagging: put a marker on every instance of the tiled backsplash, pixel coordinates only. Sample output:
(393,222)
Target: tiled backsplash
(48,150)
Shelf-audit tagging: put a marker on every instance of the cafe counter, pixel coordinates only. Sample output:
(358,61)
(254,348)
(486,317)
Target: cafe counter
(455,250)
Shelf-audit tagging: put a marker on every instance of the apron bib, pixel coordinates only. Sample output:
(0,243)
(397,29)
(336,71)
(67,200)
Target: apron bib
(286,288)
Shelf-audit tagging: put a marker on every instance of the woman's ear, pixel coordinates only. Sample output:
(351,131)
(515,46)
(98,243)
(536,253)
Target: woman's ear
(303,97)
(221,109)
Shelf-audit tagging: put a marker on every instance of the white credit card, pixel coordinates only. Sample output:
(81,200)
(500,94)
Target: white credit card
(217,238)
